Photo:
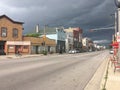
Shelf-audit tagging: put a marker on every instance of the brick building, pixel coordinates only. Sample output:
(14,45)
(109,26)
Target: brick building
(11,36)
(12,40)
(74,38)
(59,35)
(37,46)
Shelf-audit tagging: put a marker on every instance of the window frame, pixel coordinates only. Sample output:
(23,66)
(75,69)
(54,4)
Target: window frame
(15,33)
(26,47)
(3,32)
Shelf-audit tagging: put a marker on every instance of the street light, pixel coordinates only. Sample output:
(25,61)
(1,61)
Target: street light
(117,3)
(115,23)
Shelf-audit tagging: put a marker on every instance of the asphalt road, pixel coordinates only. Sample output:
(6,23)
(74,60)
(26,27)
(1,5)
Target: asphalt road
(55,72)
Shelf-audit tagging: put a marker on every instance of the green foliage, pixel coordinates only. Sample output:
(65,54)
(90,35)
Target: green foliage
(44,52)
(104,89)
(33,35)
(51,52)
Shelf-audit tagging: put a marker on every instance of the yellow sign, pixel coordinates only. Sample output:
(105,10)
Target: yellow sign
(44,37)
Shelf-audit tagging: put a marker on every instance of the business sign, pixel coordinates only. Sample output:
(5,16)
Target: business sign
(118,38)
(18,43)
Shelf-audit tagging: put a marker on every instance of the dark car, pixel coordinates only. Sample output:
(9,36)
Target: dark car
(72,51)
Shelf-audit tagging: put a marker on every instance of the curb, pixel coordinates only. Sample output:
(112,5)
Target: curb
(105,76)
(95,82)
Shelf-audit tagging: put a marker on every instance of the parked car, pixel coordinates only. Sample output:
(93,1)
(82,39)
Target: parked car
(72,51)
(111,51)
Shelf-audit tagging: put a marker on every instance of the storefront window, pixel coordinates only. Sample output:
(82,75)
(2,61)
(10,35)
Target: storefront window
(25,47)
(11,47)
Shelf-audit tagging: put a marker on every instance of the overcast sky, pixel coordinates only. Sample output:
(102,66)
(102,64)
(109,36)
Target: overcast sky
(86,14)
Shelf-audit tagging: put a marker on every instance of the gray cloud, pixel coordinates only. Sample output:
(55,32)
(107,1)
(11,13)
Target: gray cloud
(84,13)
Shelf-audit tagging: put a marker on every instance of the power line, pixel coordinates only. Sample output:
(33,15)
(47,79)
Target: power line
(95,29)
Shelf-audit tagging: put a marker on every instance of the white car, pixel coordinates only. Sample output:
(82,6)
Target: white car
(111,51)
(72,51)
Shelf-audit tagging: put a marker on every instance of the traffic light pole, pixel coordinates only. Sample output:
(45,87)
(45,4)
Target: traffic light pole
(44,38)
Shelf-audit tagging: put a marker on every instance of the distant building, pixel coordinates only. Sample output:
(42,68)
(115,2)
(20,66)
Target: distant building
(36,46)
(73,38)
(77,39)
(58,34)
(88,44)
(69,39)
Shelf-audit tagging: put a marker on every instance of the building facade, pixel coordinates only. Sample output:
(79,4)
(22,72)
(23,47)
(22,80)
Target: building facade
(77,38)
(12,40)
(58,34)
(88,44)
(74,38)
(37,45)
(69,39)
(11,36)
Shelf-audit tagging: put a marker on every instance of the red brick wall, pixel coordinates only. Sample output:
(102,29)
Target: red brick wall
(4,22)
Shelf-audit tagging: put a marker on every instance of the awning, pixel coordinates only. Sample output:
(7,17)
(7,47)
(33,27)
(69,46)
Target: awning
(18,43)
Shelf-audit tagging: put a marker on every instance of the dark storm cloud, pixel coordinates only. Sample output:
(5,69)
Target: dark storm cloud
(84,13)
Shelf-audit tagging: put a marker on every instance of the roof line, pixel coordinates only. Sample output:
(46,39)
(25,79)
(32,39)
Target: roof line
(11,19)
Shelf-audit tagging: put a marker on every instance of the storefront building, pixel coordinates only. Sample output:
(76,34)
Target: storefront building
(13,47)
(38,44)
(10,30)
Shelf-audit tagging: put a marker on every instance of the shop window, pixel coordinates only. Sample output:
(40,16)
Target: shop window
(11,47)
(15,32)
(25,47)
(4,32)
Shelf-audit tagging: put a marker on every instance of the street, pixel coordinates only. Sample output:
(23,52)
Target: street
(51,72)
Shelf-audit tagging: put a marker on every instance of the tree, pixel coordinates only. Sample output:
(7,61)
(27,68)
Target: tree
(33,35)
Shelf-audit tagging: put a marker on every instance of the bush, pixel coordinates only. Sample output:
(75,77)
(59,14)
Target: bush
(33,35)
(51,52)
(44,52)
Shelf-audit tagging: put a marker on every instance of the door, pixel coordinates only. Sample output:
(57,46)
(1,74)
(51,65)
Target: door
(2,45)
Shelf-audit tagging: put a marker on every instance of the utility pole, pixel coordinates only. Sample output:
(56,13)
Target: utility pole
(118,27)
(44,38)
(116,24)
(117,3)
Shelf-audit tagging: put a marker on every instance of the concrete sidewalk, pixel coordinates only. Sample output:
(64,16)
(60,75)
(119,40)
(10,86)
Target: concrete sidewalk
(113,81)
(110,80)
(97,80)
